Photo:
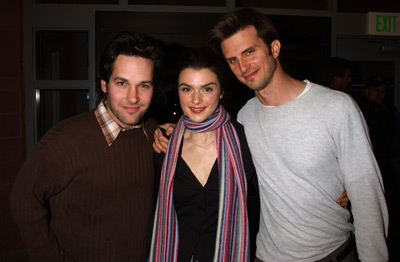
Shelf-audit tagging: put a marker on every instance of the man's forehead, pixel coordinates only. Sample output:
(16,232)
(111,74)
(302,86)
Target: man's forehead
(242,41)
(135,58)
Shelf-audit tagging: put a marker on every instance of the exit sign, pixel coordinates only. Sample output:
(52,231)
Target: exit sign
(383,23)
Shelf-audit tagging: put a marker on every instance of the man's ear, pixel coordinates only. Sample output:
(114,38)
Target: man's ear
(103,86)
(221,95)
(275,48)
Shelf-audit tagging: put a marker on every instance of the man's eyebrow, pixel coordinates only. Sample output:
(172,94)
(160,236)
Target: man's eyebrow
(149,82)
(119,78)
(244,51)
(249,48)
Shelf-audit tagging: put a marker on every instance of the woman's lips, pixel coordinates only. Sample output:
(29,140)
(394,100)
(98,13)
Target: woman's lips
(197,110)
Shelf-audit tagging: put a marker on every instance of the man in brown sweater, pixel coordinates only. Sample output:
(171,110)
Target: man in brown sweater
(85,193)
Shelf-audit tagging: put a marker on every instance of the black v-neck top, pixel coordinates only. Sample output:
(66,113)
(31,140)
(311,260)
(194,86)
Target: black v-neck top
(197,206)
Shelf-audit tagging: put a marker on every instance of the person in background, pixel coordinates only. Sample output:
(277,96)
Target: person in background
(86,192)
(308,144)
(382,116)
(335,73)
(201,213)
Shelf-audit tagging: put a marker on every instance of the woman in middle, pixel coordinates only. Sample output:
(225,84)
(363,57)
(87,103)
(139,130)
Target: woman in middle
(201,212)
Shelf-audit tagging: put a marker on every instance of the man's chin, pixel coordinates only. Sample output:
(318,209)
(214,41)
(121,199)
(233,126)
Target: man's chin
(132,122)
(255,87)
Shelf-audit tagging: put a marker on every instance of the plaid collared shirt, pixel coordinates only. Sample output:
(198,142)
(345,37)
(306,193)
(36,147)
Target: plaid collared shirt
(109,126)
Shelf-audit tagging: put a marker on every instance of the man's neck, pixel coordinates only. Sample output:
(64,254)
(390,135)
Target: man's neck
(282,89)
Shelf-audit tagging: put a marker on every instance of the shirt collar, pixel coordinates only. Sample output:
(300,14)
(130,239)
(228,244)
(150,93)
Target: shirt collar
(108,125)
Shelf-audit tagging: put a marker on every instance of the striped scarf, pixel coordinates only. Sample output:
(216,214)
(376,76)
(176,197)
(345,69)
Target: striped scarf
(232,236)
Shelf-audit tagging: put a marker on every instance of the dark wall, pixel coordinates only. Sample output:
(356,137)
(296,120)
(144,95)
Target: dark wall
(12,119)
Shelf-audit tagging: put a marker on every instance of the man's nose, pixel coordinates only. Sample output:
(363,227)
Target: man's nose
(243,65)
(132,95)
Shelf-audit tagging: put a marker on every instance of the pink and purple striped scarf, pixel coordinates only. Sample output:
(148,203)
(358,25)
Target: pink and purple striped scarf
(232,236)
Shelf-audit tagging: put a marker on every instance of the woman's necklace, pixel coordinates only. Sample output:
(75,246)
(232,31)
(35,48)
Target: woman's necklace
(202,146)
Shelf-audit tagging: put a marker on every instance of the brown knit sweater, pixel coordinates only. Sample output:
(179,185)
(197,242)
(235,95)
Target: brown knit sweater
(77,199)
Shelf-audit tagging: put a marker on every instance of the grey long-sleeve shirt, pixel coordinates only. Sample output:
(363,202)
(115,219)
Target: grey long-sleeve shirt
(306,152)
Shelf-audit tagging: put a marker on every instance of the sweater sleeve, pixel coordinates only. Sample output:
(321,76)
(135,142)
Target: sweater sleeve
(363,182)
(158,162)
(35,184)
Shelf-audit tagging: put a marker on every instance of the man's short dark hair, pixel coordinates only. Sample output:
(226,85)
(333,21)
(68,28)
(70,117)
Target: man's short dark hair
(331,67)
(233,22)
(140,45)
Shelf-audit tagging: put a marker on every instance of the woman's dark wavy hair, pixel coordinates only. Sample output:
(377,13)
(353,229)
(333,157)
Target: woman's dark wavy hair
(204,58)
(140,45)
(231,23)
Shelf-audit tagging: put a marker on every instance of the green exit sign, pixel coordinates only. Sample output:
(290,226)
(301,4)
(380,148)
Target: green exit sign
(383,23)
